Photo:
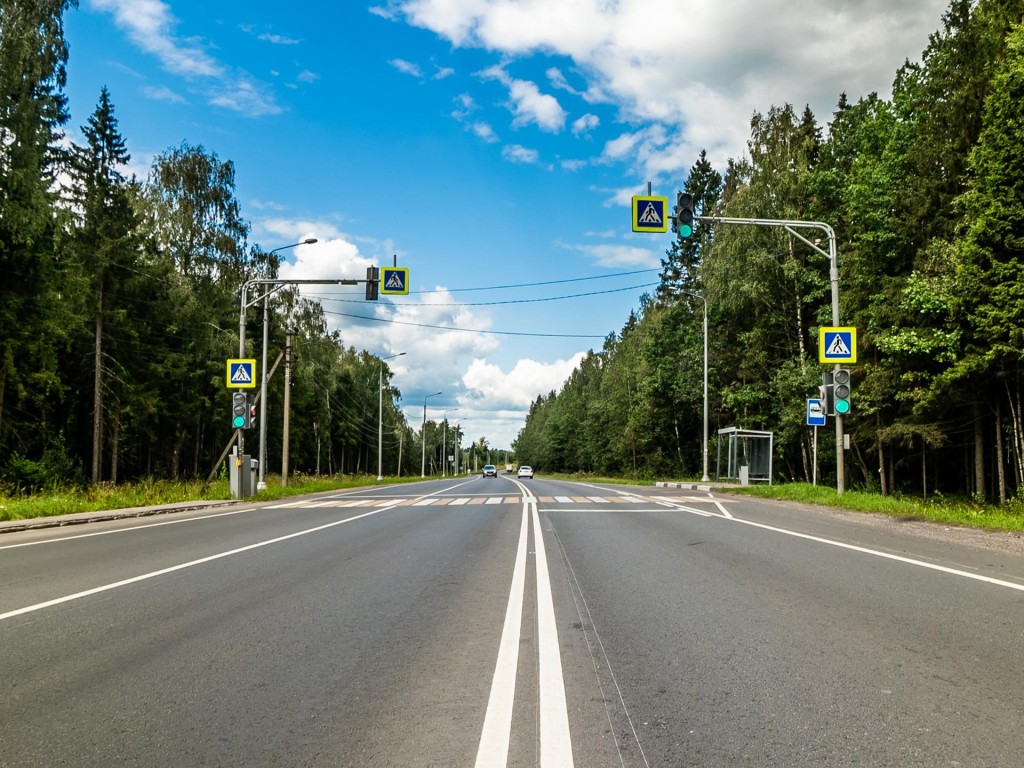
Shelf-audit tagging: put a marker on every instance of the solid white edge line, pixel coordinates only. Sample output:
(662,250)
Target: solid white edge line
(497,728)
(885,555)
(181,566)
(555,740)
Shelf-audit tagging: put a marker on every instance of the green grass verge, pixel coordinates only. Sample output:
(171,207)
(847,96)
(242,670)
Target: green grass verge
(962,512)
(157,492)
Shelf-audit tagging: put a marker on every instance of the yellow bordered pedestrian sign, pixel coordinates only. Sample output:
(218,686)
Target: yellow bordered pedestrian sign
(241,374)
(837,345)
(394,281)
(650,213)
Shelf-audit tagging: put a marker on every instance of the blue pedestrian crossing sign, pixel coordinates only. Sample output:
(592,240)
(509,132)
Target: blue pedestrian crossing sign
(650,213)
(241,374)
(837,345)
(815,413)
(394,281)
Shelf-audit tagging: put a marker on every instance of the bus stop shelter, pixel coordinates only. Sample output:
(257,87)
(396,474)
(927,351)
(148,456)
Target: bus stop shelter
(749,455)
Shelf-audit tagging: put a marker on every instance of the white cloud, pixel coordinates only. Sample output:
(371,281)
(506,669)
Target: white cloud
(528,104)
(406,67)
(150,25)
(162,94)
(485,132)
(515,153)
(698,69)
(585,124)
(269,37)
(486,383)
(618,255)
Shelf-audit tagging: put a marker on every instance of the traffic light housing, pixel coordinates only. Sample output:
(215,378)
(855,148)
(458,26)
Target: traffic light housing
(841,391)
(240,410)
(825,393)
(372,283)
(682,216)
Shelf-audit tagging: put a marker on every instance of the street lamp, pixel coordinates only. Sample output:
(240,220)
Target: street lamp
(380,414)
(444,443)
(423,436)
(261,483)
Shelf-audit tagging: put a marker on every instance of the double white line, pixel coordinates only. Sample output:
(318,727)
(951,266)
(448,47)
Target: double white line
(555,743)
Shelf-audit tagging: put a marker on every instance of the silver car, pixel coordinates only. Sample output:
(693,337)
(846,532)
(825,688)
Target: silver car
(490,470)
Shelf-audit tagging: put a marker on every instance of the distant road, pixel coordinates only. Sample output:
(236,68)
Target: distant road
(487,622)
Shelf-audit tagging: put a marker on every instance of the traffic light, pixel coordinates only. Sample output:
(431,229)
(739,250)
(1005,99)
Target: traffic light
(239,410)
(372,283)
(682,216)
(841,391)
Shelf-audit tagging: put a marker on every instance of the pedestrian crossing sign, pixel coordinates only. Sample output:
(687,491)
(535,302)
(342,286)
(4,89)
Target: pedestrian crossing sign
(650,214)
(241,374)
(394,281)
(837,345)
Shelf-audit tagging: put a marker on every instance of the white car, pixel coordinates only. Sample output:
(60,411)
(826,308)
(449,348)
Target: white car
(525,471)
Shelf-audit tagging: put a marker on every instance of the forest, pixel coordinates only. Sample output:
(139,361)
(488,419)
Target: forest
(119,306)
(925,191)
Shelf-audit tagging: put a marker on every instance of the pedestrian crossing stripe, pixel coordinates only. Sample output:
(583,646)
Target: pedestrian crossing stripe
(457,501)
(837,345)
(649,213)
(241,374)
(394,281)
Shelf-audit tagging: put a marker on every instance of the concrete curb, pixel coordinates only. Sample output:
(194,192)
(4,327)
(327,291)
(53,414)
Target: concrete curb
(80,518)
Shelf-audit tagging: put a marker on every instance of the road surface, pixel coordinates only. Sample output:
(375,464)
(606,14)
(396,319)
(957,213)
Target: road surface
(488,622)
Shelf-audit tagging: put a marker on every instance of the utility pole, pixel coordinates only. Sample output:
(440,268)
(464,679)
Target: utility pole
(287,407)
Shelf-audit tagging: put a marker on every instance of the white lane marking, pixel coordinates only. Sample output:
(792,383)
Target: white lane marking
(496,500)
(497,730)
(555,741)
(424,502)
(460,501)
(564,500)
(129,530)
(885,555)
(182,566)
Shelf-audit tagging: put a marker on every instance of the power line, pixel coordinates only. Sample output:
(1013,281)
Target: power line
(495,303)
(467,330)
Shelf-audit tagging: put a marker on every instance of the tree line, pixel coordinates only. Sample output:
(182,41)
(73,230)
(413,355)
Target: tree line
(925,191)
(119,304)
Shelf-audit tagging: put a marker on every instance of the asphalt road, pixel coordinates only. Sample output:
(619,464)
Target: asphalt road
(485,622)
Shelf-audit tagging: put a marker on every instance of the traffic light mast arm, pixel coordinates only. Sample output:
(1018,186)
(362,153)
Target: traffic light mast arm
(791,226)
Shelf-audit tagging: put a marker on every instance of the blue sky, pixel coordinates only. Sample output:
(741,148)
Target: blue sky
(485,143)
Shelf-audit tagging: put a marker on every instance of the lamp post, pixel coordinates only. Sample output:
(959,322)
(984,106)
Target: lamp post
(380,414)
(444,443)
(261,483)
(423,436)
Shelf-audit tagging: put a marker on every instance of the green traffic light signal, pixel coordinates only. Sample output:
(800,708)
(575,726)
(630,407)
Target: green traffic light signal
(841,391)
(239,410)
(683,215)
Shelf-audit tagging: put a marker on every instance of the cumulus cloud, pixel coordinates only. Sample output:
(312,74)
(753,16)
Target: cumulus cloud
(527,103)
(516,389)
(700,69)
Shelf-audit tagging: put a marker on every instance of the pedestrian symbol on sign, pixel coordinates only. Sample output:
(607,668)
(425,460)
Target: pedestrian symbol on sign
(650,215)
